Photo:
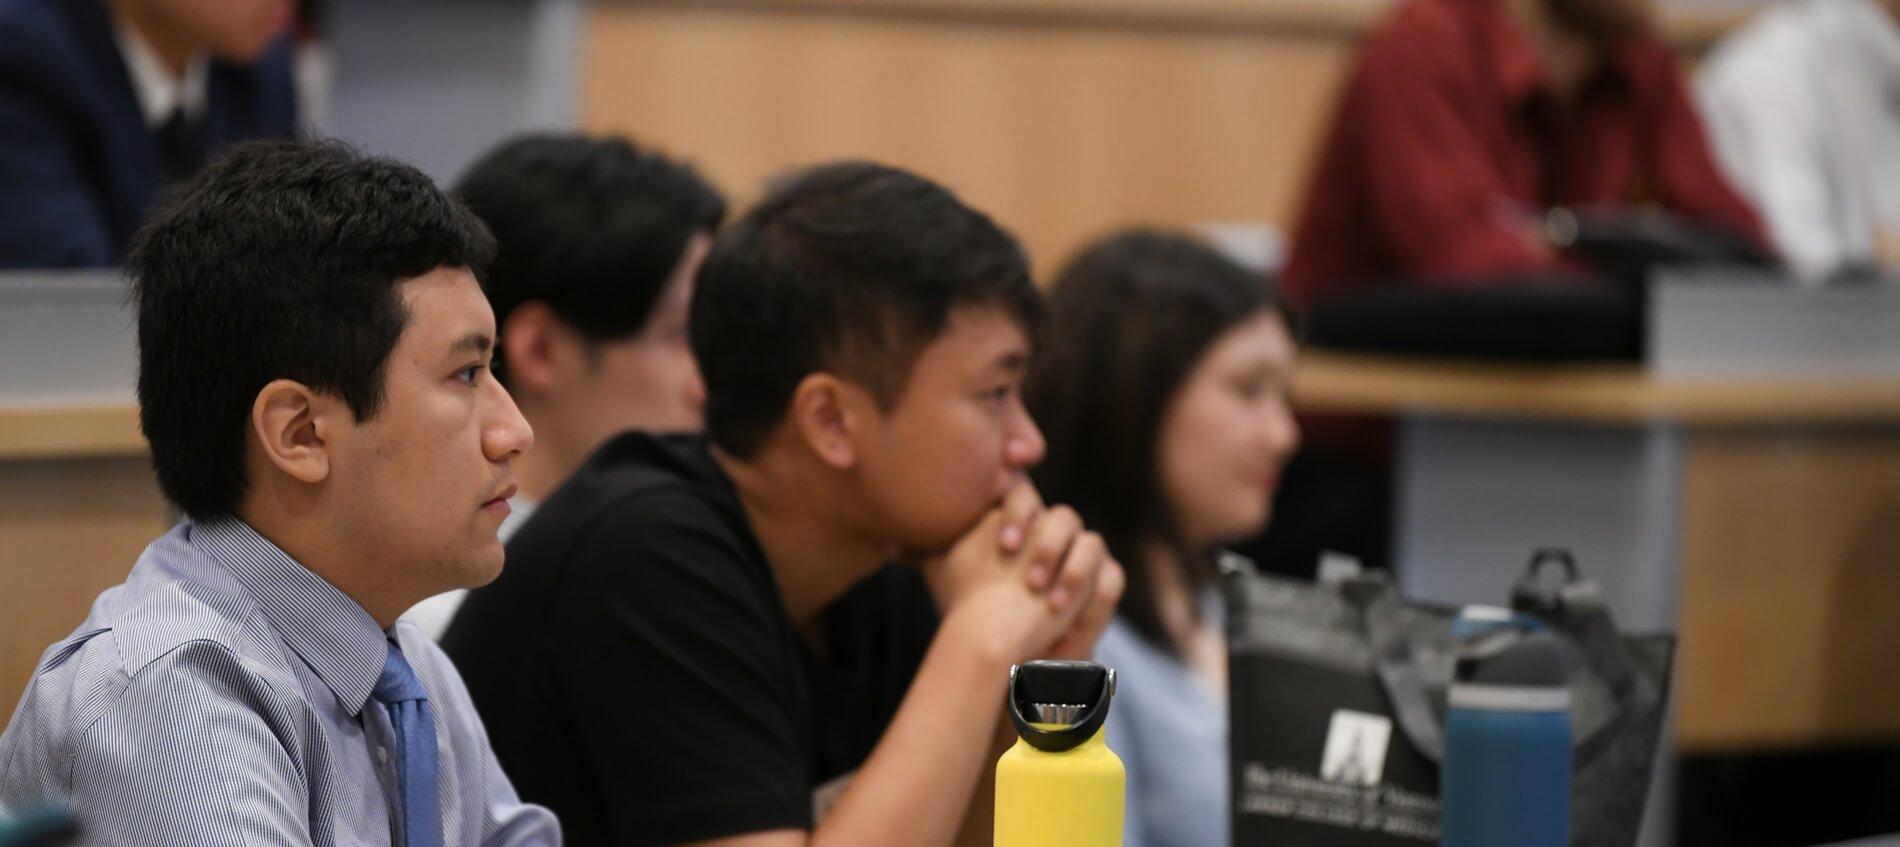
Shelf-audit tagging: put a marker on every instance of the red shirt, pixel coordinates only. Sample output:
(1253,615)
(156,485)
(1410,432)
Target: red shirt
(1449,141)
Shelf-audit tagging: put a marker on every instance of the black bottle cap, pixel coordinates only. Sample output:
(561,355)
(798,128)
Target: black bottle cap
(1532,659)
(1069,699)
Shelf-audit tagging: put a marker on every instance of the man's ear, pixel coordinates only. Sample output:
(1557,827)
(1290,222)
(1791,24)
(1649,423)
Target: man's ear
(294,426)
(536,346)
(831,414)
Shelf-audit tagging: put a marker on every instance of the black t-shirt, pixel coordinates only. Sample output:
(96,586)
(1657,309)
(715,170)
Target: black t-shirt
(637,671)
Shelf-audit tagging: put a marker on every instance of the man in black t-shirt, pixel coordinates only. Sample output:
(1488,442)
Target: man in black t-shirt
(698,640)
(597,245)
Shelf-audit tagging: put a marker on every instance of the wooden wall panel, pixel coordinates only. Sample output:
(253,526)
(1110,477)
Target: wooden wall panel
(1791,573)
(1060,129)
(69,528)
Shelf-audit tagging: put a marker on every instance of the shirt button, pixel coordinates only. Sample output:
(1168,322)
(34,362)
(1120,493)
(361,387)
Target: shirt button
(382,754)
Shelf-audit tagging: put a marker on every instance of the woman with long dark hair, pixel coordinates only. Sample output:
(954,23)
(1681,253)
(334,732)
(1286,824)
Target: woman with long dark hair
(1162,393)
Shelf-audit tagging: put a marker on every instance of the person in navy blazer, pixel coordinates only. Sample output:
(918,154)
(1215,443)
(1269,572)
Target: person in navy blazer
(103,102)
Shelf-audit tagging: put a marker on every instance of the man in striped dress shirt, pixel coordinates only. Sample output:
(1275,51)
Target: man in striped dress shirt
(313,351)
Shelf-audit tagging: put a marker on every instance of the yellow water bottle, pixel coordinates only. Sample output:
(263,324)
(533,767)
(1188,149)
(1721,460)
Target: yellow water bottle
(1059,785)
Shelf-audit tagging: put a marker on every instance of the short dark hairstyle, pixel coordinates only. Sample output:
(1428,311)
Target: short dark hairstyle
(849,267)
(593,227)
(278,261)
(1130,318)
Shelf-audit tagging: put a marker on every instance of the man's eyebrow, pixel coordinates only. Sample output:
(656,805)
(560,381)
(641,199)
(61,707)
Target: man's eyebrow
(1015,362)
(474,342)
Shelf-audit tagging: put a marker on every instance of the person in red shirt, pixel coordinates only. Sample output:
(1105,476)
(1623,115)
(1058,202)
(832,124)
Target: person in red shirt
(1465,121)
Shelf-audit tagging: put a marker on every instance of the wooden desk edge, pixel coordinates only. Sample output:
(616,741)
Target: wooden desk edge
(1687,28)
(1325,382)
(64,432)
(1590,394)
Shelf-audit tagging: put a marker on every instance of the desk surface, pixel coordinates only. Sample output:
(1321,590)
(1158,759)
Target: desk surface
(59,432)
(1326,382)
(1591,394)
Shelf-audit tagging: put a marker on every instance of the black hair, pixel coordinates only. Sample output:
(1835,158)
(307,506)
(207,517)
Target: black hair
(279,260)
(1130,318)
(593,227)
(848,267)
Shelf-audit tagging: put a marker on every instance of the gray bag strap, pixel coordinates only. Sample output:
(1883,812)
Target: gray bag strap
(1404,681)
(1574,607)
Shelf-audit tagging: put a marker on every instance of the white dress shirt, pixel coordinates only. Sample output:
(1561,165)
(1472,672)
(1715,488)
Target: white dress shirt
(158,91)
(1803,106)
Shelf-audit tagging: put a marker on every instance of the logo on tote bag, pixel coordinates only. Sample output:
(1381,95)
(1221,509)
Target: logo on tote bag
(1355,748)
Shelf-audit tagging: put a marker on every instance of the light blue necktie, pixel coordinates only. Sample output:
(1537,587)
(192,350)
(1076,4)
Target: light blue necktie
(401,693)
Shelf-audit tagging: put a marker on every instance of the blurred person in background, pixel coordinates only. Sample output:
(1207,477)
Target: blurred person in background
(1163,394)
(1465,121)
(1463,126)
(598,241)
(103,102)
(1804,107)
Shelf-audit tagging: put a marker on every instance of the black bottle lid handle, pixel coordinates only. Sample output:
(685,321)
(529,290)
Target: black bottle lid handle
(1071,682)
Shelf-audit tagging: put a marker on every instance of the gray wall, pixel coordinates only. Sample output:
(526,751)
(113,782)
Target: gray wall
(437,82)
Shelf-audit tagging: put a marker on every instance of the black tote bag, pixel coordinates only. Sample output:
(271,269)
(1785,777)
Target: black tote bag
(1337,697)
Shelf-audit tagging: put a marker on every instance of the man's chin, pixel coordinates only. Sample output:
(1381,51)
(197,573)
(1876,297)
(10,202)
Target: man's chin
(483,567)
(244,51)
(917,551)
(914,558)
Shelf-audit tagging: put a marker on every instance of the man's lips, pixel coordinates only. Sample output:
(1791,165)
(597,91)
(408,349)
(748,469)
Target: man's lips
(501,498)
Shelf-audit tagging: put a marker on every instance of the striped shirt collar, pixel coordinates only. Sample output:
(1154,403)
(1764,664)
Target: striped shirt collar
(331,633)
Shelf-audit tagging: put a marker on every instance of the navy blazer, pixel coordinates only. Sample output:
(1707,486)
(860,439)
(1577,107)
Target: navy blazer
(79,166)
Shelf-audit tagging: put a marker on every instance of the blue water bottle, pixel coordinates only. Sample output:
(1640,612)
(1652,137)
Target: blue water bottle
(47,827)
(1507,736)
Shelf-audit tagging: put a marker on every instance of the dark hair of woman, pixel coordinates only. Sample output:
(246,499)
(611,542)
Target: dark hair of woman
(1129,319)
